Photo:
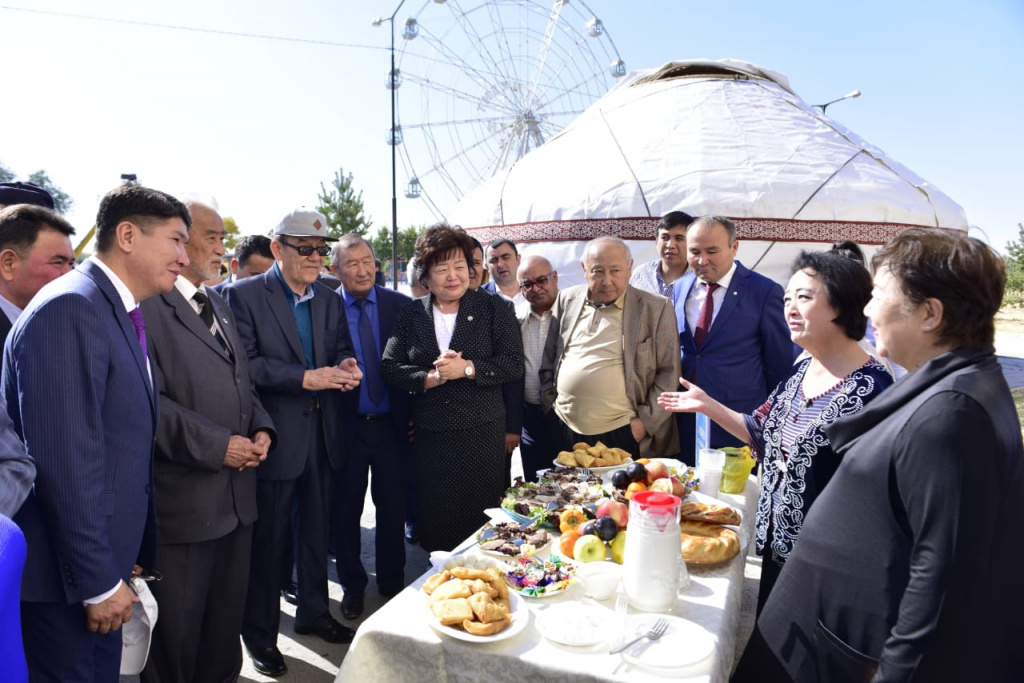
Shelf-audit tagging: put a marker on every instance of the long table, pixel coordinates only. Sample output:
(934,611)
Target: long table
(398,644)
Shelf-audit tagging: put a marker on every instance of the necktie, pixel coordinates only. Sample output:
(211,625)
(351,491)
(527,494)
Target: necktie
(139,323)
(371,357)
(707,311)
(206,315)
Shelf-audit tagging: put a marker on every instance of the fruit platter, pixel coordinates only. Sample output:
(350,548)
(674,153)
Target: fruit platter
(533,577)
(511,539)
(656,474)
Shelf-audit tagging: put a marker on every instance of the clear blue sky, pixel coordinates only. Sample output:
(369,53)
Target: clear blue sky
(259,124)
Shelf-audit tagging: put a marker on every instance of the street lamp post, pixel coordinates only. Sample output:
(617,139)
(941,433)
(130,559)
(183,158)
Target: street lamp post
(393,140)
(848,96)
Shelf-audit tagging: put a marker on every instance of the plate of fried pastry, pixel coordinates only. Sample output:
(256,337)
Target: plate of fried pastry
(474,605)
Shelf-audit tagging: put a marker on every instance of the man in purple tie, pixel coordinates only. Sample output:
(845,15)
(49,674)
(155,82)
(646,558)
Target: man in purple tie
(732,334)
(80,391)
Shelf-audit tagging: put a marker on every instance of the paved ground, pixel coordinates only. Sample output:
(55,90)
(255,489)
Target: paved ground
(310,660)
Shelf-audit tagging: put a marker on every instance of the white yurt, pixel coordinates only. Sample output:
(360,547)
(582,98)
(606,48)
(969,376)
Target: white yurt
(703,136)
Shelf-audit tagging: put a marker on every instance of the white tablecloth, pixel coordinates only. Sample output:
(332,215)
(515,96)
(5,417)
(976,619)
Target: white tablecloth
(397,643)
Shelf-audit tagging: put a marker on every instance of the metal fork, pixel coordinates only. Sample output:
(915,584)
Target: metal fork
(657,631)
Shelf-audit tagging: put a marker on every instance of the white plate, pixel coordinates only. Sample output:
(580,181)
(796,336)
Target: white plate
(520,618)
(686,645)
(576,624)
(600,470)
(511,558)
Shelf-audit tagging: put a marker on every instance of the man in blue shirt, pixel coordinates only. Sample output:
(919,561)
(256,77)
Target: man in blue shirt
(376,426)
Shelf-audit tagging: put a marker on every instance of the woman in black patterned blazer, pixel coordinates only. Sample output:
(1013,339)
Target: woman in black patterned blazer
(452,350)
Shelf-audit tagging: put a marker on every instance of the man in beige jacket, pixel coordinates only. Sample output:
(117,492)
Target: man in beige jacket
(618,350)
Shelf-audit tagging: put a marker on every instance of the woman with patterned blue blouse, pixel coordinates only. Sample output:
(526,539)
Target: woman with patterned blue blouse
(824,307)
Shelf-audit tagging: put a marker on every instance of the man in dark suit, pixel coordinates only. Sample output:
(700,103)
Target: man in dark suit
(376,426)
(252,256)
(81,393)
(34,249)
(734,341)
(213,433)
(294,330)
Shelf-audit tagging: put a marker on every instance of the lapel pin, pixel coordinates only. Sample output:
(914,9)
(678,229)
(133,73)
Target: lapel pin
(469,317)
(735,293)
(224,321)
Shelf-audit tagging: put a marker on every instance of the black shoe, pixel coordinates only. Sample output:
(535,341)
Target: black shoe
(389,591)
(352,605)
(332,633)
(267,660)
(290,593)
(412,533)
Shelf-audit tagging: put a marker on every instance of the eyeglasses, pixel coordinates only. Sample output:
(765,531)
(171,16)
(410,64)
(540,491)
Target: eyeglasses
(307,250)
(527,285)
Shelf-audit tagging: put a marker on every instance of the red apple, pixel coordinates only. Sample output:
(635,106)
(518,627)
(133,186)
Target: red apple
(616,510)
(656,469)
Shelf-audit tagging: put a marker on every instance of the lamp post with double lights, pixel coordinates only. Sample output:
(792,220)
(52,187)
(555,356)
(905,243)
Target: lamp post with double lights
(848,96)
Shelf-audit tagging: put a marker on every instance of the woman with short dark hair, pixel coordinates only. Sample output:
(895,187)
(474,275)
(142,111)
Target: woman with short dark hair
(823,304)
(452,350)
(908,565)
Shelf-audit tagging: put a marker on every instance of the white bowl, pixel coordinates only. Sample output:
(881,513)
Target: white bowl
(599,580)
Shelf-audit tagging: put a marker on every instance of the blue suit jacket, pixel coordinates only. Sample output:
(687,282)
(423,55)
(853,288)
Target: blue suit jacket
(80,397)
(267,328)
(747,352)
(389,303)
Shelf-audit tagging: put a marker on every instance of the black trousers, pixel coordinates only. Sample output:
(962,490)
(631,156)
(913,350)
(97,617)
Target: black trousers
(376,449)
(617,438)
(270,537)
(540,440)
(201,599)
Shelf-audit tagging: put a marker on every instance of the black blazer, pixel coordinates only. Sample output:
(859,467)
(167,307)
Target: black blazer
(271,340)
(486,333)
(206,396)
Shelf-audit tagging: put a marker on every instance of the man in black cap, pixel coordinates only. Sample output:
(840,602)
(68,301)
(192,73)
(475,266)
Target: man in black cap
(24,193)
(35,248)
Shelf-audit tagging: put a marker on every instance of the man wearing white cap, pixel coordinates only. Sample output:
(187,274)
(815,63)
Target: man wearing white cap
(294,331)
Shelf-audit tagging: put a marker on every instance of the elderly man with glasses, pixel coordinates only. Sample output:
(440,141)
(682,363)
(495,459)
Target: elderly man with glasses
(294,331)
(539,324)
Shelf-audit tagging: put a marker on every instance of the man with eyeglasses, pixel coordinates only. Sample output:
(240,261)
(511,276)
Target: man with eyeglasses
(294,330)
(539,324)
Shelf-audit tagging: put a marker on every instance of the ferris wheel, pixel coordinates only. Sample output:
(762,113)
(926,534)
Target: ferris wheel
(480,83)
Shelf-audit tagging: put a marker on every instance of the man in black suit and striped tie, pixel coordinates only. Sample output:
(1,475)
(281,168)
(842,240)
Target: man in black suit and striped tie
(212,435)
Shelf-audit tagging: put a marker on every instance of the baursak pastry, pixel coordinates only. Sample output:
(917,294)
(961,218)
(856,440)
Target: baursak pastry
(706,543)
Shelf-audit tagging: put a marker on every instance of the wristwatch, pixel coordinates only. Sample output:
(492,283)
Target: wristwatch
(469,370)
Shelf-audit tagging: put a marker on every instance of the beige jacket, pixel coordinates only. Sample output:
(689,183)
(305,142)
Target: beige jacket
(650,349)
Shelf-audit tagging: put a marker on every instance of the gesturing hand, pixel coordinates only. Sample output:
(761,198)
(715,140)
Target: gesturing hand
(692,400)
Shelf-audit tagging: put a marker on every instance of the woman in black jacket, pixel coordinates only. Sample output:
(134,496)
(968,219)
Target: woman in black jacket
(452,350)
(908,565)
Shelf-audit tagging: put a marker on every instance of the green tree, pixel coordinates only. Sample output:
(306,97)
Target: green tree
(343,206)
(6,174)
(61,201)
(1014,262)
(231,233)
